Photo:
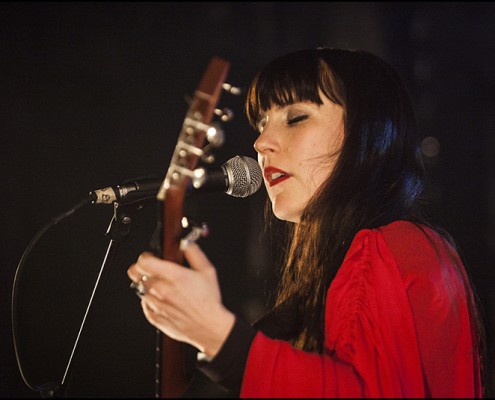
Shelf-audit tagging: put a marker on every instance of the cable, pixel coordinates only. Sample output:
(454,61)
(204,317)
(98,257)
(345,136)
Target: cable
(43,389)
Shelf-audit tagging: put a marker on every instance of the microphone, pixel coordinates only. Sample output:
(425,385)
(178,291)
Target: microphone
(239,177)
(138,189)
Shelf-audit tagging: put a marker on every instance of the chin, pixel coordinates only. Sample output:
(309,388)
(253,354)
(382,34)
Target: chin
(286,215)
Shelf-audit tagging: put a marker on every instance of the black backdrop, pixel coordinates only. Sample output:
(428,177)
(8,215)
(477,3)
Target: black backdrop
(93,94)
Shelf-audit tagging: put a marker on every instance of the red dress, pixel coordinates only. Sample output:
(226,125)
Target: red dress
(397,325)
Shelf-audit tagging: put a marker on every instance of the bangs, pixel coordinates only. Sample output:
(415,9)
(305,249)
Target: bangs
(287,81)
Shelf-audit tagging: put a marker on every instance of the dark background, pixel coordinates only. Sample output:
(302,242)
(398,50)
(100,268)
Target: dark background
(93,94)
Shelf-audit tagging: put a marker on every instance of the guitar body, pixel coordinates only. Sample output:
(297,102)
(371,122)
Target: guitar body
(171,373)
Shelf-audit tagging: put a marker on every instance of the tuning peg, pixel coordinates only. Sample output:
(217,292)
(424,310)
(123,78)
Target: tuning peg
(225,114)
(232,89)
(215,138)
(192,231)
(208,158)
(215,135)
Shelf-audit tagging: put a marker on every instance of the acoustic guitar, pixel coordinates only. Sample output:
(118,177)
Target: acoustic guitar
(196,136)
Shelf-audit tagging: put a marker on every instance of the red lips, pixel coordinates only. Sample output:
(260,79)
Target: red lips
(274,175)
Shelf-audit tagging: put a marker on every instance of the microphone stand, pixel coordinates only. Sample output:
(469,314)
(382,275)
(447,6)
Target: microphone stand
(118,230)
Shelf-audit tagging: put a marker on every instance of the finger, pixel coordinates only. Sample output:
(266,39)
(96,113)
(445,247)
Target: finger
(149,264)
(133,274)
(149,304)
(138,269)
(156,312)
(161,322)
(196,258)
(151,315)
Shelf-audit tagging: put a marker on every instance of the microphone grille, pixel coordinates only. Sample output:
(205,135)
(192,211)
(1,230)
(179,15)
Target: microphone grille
(245,176)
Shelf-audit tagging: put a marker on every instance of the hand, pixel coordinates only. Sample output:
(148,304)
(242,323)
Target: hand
(184,303)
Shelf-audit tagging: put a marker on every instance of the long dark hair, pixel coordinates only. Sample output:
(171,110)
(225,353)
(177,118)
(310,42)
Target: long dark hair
(378,176)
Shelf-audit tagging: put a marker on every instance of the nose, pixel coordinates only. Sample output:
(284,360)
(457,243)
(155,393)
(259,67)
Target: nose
(265,143)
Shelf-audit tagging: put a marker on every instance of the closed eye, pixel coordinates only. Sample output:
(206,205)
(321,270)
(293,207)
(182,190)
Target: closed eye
(297,119)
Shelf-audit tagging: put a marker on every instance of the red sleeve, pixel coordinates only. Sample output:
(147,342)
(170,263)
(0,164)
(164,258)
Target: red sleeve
(371,337)
(438,290)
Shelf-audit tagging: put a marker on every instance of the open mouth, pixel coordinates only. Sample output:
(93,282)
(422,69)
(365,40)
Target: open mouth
(274,175)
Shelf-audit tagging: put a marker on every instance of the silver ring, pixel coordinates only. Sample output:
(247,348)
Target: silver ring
(139,287)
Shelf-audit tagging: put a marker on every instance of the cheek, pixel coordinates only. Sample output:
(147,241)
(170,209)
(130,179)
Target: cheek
(316,171)
(325,161)
(315,178)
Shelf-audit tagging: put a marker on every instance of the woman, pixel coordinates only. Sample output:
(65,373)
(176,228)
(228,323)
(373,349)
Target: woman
(373,301)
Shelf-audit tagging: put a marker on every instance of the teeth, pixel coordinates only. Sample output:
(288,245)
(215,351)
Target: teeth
(276,175)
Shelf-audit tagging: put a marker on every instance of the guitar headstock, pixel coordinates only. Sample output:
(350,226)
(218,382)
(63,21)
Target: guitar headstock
(196,129)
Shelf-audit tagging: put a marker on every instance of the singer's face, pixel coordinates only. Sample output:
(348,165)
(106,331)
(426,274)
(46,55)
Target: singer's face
(297,150)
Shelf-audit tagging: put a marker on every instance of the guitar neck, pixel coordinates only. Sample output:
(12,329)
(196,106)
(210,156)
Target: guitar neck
(171,373)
